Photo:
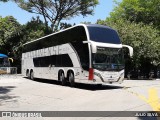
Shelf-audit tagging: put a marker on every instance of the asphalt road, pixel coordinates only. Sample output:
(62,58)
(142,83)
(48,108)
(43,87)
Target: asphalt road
(21,94)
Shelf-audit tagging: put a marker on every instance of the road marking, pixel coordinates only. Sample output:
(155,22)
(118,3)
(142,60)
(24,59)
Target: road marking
(152,100)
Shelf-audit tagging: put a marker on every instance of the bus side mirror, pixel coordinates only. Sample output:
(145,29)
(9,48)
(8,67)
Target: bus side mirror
(84,42)
(129,48)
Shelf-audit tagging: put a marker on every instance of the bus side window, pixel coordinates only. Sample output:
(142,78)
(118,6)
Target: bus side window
(58,61)
(66,61)
(53,60)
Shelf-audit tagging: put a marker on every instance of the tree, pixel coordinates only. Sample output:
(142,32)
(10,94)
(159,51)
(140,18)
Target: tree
(35,29)
(13,35)
(10,34)
(146,11)
(64,26)
(56,10)
(143,38)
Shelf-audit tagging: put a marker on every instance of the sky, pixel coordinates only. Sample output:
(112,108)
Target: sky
(101,11)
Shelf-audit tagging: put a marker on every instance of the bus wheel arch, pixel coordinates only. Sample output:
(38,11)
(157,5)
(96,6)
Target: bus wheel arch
(71,78)
(61,77)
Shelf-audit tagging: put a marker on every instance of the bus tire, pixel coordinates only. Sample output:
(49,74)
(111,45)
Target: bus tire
(62,78)
(27,74)
(71,79)
(32,75)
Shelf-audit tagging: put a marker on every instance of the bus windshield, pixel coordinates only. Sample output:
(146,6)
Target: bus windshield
(103,34)
(110,59)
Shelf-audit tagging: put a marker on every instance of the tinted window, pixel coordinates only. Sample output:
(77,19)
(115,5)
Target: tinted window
(45,61)
(66,61)
(37,62)
(56,60)
(42,62)
(71,35)
(53,60)
(83,54)
(108,59)
(103,34)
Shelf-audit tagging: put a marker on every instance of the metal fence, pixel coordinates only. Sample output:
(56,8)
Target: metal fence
(8,70)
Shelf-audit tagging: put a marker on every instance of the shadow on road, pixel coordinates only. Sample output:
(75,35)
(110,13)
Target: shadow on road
(6,89)
(81,85)
(96,87)
(5,96)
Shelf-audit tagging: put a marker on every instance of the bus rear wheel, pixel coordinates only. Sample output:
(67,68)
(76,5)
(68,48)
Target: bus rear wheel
(62,78)
(27,74)
(32,75)
(71,79)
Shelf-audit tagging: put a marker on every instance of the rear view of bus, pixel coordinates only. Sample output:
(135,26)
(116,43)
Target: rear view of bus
(107,58)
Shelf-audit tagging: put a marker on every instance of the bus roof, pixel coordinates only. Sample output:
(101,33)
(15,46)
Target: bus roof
(97,25)
(84,25)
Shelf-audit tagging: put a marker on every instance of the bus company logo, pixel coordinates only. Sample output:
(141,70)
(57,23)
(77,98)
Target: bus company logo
(6,114)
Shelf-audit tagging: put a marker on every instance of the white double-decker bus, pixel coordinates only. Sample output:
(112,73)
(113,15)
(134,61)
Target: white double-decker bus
(82,53)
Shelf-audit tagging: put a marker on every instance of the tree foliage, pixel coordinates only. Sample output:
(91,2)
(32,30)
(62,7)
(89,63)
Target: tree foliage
(10,34)
(146,11)
(56,10)
(64,25)
(35,29)
(13,35)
